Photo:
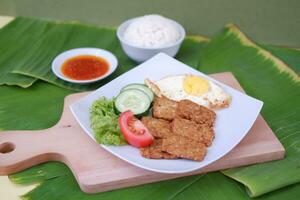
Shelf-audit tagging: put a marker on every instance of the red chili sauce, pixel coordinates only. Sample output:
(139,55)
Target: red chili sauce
(85,67)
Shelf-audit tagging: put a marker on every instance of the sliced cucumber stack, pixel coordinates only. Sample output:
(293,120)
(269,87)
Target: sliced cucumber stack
(135,100)
(141,87)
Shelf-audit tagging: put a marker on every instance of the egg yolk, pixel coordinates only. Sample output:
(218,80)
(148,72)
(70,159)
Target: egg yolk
(194,85)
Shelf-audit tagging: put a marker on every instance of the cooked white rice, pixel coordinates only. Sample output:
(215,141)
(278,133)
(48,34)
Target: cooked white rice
(152,31)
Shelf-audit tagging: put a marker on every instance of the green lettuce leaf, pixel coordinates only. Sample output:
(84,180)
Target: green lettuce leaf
(104,122)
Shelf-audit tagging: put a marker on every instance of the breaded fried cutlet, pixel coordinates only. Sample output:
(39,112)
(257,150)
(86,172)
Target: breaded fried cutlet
(159,128)
(184,147)
(154,151)
(192,130)
(164,108)
(197,113)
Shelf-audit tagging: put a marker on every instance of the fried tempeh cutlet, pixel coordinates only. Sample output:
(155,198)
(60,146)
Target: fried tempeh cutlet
(159,128)
(164,108)
(197,113)
(192,130)
(184,147)
(154,151)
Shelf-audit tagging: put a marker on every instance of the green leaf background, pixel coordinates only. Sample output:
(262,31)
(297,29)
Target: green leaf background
(39,103)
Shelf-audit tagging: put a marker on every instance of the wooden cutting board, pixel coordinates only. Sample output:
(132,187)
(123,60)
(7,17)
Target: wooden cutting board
(97,170)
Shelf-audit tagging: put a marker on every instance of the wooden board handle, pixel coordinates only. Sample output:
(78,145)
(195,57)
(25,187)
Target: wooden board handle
(22,149)
(65,142)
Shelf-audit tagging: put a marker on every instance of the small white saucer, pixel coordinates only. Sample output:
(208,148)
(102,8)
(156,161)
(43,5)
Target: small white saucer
(61,58)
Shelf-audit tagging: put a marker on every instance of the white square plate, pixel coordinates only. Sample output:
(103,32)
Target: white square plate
(232,123)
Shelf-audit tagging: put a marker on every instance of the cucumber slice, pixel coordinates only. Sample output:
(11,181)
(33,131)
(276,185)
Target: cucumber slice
(133,99)
(139,86)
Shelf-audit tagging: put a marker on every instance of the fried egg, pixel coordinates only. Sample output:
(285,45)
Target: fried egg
(191,87)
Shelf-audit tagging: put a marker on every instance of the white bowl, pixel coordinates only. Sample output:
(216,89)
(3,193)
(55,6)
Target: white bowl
(61,58)
(141,54)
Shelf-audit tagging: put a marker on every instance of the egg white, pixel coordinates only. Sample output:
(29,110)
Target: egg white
(172,88)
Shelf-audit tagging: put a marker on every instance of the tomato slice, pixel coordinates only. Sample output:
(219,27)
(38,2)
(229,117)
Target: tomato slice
(134,131)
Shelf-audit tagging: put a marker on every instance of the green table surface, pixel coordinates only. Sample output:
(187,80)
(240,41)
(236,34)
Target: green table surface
(274,22)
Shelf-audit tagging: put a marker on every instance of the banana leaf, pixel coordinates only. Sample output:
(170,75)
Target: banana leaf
(216,186)
(33,48)
(37,107)
(18,35)
(287,55)
(58,183)
(267,78)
